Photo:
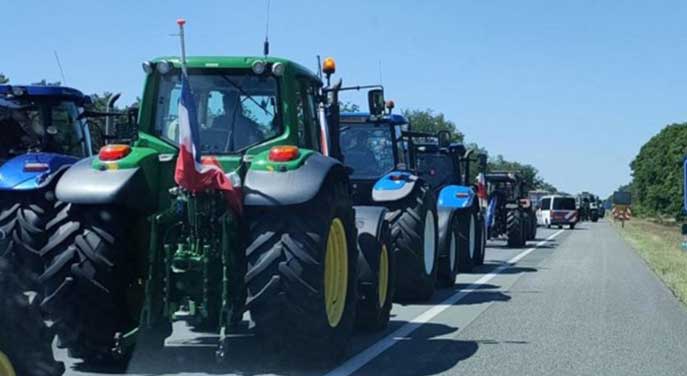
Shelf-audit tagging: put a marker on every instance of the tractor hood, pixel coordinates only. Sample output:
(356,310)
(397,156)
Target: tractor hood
(31,170)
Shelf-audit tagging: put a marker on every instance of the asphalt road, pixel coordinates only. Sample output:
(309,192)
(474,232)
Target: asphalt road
(577,302)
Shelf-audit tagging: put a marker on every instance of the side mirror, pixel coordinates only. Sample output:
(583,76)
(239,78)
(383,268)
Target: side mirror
(375,101)
(444,138)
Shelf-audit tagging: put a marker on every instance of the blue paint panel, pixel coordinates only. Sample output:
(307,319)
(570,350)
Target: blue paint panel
(456,196)
(13,176)
(42,90)
(386,183)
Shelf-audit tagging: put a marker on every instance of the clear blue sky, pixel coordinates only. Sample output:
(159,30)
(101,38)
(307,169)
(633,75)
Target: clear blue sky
(572,87)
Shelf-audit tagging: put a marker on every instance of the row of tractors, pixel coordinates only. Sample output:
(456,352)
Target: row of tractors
(340,215)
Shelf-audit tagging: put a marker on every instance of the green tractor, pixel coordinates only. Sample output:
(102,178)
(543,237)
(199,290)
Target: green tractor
(139,251)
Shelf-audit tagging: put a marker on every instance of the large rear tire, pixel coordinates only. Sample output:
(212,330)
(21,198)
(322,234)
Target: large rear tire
(482,239)
(468,229)
(414,237)
(377,289)
(450,264)
(301,276)
(26,220)
(515,227)
(86,281)
(25,341)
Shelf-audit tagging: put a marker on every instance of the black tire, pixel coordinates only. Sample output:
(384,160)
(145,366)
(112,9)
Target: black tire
(374,304)
(408,218)
(86,281)
(285,276)
(26,220)
(515,228)
(450,263)
(533,225)
(572,226)
(468,230)
(482,238)
(24,338)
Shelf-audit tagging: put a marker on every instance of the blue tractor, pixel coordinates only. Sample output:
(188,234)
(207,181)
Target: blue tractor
(387,188)
(43,133)
(462,232)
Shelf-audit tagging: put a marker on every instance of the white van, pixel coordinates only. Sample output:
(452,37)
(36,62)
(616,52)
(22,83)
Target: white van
(557,210)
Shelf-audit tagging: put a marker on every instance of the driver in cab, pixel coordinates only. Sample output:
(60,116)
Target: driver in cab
(239,131)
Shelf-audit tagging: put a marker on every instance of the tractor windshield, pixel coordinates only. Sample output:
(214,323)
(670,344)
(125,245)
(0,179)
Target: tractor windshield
(40,124)
(437,169)
(235,110)
(368,149)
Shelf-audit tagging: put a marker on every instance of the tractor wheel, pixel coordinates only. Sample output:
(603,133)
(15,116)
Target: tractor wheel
(26,220)
(414,237)
(572,226)
(482,241)
(25,341)
(515,228)
(468,229)
(302,273)
(86,280)
(376,289)
(448,269)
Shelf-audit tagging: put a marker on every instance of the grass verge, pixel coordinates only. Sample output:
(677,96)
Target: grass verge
(660,246)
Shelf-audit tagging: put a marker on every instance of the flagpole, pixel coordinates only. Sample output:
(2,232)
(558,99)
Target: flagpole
(181,22)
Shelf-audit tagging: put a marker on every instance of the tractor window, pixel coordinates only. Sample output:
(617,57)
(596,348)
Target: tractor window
(368,149)
(235,111)
(437,169)
(41,124)
(306,113)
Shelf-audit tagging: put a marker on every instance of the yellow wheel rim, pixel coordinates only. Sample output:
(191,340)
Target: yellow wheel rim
(383,287)
(6,368)
(336,273)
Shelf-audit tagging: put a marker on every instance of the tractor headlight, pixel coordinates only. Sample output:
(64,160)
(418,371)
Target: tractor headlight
(18,90)
(258,67)
(163,67)
(278,69)
(147,67)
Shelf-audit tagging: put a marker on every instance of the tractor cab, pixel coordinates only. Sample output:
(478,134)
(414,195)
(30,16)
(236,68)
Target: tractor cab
(508,186)
(373,147)
(42,129)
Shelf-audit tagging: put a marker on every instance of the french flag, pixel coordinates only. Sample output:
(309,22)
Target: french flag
(193,173)
(482,190)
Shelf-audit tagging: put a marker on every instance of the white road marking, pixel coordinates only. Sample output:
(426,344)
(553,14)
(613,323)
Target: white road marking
(362,358)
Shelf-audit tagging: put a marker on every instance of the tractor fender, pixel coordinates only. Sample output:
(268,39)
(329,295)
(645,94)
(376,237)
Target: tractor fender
(368,220)
(83,184)
(456,197)
(394,186)
(274,188)
(14,175)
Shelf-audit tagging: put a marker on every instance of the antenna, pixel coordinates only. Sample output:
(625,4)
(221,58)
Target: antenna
(59,65)
(266,44)
(319,67)
(379,66)
(181,22)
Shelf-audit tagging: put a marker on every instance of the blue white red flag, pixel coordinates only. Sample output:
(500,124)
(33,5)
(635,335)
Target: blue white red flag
(193,173)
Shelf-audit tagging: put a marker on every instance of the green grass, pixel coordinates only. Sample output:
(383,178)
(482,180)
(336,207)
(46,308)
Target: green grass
(660,246)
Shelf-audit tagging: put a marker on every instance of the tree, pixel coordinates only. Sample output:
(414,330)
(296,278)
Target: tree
(657,173)
(431,122)
(4,79)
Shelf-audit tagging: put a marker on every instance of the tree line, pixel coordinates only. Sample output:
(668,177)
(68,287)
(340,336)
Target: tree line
(657,174)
